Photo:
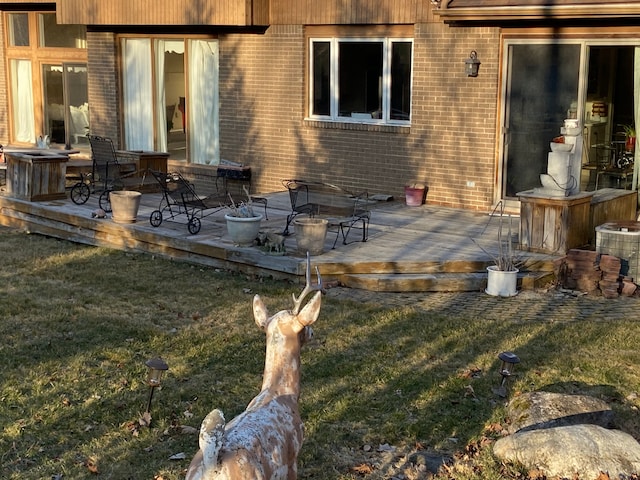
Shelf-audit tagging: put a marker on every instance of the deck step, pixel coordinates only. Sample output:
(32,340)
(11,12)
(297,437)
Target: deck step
(437,282)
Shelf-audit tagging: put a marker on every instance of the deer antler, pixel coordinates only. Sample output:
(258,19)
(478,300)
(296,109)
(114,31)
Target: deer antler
(308,288)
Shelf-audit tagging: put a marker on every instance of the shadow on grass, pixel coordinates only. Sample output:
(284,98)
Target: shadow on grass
(79,322)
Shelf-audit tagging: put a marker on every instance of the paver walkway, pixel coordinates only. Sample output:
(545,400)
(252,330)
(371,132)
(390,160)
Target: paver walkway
(542,305)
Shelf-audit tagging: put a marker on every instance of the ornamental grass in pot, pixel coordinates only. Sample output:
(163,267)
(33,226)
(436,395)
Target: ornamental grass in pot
(243,224)
(502,276)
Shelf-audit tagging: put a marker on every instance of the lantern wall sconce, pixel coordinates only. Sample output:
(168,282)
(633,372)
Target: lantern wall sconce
(156,367)
(472,64)
(508,362)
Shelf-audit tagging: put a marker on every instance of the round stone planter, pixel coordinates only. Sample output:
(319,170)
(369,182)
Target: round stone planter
(124,205)
(501,283)
(310,234)
(243,230)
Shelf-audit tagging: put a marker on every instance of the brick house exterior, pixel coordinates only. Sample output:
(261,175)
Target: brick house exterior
(453,140)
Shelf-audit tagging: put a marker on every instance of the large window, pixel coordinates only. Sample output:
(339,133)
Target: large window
(361,79)
(48,79)
(170,96)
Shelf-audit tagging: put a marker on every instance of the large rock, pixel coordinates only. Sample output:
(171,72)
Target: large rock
(536,410)
(563,435)
(564,451)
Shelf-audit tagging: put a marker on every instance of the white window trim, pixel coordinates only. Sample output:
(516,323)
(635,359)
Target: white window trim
(333,81)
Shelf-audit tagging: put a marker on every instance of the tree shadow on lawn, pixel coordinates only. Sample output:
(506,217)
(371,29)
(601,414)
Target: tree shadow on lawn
(413,379)
(73,372)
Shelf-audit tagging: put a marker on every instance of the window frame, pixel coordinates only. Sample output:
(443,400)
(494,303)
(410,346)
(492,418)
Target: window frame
(38,56)
(334,80)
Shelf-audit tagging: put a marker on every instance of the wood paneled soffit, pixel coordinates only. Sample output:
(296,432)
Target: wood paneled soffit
(164,12)
(546,10)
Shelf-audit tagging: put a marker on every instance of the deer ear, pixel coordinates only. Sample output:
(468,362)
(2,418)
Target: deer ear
(260,314)
(311,310)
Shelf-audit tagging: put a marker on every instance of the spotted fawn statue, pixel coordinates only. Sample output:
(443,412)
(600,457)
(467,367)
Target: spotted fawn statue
(263,441)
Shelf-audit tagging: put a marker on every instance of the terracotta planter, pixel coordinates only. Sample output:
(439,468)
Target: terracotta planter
(124,205)
(414,195)
(630,144)
(502,283)
(243,230)
(311,234)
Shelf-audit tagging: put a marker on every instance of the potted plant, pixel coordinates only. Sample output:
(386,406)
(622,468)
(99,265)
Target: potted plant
(243,224)
(502,277)
(124,205)
(311,233)
(630,132)
(414,194)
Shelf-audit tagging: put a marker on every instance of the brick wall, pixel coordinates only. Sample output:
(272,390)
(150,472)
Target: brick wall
(451,140)
(103,85)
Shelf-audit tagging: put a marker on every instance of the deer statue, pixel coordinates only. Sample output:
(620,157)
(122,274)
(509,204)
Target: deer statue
(263,441)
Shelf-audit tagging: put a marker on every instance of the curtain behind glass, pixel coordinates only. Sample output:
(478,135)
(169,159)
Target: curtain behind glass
(202,105)
(161,110)
(137,94)
(22,94)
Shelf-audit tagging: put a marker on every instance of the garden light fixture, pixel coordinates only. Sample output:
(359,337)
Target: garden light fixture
(156,367)
(509,361)
(472,64)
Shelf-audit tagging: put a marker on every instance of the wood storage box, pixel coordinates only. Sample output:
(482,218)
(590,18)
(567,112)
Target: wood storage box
(36,176)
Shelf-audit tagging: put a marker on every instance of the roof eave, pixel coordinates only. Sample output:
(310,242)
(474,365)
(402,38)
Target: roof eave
(572,12)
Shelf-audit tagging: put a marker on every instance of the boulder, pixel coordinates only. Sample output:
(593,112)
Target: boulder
(564,435)
(564,451)
(536,410)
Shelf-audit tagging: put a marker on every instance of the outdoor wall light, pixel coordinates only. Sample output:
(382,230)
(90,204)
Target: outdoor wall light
(156,367)
(472,64)
(509,361)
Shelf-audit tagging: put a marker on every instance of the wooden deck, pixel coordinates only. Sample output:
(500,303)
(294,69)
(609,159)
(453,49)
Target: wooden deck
(427,248)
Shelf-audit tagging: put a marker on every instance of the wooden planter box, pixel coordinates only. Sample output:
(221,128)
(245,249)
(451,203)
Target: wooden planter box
(36,176)
(145,160)
(554,224)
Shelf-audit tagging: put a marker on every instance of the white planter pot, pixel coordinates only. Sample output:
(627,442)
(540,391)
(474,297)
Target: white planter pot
(501,283)
(243,230)
(310,234)
(124,205)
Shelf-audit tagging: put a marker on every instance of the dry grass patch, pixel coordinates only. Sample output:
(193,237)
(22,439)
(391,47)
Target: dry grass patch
(380,386)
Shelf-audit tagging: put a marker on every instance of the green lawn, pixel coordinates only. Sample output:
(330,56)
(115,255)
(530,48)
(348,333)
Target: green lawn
(78,323)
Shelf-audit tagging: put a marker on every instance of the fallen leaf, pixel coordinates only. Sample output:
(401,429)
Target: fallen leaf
(188,430)
(178,456)
(385,447)
(536,474)
(363,469)
(603,476)
(92,465)
(145,419)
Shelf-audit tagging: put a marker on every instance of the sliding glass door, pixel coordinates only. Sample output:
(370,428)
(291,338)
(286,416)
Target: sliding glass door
(547,81)
(542,84)
(66,103)
(170,96)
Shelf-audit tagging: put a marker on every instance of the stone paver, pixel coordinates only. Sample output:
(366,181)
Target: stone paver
(541,305)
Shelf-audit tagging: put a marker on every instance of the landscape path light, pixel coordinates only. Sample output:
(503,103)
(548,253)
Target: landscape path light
(508,362)
(156,367)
